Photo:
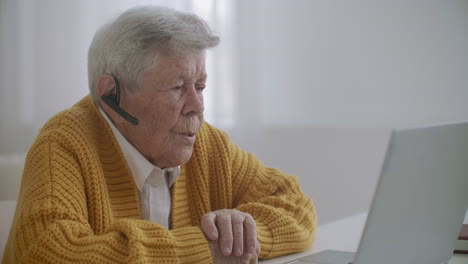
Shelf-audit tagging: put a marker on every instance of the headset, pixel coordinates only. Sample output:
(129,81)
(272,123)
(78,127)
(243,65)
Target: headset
(113,101)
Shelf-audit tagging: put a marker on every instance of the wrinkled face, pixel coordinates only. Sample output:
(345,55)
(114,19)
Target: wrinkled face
(169,107)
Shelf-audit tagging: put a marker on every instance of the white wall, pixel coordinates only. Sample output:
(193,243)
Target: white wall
(321,83)
(366,62)
(337,167)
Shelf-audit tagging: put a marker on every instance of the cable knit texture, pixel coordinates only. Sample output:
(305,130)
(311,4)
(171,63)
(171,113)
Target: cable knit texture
(78,202)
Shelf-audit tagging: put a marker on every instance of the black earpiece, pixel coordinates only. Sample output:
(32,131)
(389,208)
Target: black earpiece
(113,101)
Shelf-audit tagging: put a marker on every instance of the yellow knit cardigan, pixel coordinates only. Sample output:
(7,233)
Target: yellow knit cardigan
(78,202)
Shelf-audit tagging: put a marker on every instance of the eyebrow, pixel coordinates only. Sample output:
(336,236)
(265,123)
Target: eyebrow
(202,77)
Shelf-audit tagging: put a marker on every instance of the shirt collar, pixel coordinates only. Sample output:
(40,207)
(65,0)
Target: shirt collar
(139,166)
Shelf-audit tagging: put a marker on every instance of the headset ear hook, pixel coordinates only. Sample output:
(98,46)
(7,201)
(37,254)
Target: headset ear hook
(113,101)
(117,90)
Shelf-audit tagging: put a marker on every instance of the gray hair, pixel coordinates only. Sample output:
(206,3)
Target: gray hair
(128,46)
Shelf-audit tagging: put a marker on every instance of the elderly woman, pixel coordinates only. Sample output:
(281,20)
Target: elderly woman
(132,173)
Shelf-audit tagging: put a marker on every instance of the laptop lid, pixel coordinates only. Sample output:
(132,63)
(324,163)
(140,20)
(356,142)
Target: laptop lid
(421,197)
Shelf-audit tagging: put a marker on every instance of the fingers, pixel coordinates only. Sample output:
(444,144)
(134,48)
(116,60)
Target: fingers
(218,258)
(250,231)
(208,226)
(223,222)
(249,258)
(253,259)
(235,230)
(238,234)
(257,248)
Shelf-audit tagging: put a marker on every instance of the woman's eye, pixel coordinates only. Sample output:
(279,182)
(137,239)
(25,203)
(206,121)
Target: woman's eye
(179,87)
(200,88)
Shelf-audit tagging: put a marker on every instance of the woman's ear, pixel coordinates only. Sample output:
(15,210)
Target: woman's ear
(105,85)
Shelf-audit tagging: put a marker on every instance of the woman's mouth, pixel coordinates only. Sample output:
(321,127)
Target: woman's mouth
(189,137)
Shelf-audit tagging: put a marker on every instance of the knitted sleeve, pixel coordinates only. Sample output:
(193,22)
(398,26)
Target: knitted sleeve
(285,216)
(52,224)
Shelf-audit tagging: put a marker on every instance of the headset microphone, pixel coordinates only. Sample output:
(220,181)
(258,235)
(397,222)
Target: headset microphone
(113,101)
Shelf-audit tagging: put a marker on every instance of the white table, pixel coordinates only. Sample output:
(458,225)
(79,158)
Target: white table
(344,235)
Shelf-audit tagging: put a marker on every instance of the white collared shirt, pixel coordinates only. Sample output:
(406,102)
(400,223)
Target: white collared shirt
(153,183)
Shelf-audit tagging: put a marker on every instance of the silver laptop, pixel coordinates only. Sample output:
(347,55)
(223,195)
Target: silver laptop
(419,203)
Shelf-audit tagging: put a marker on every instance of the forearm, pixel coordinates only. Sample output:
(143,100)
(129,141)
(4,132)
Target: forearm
(127,241)
(286,218)
(282,229)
